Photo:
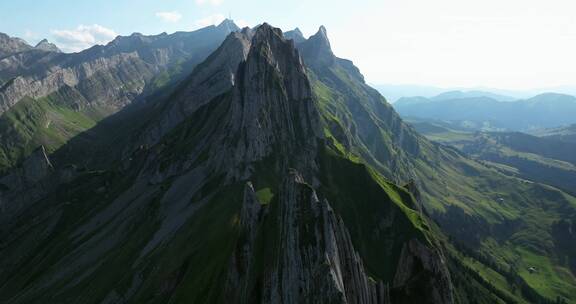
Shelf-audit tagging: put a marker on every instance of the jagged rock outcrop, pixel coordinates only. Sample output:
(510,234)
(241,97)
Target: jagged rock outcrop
(241,264)
(215,76)
(311,259)
(273,108)
(318,47)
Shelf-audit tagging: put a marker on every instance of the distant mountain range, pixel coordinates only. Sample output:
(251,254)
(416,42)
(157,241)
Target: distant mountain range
(471,94)
(395,92)
(489,112)
(566,134)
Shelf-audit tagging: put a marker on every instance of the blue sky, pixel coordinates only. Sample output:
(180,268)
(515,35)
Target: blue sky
(34,20)
(510,44)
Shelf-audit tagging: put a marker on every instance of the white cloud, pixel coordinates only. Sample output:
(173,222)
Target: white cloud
(173,16)
(28,34)
(211,2)
(210,20)
(83,37)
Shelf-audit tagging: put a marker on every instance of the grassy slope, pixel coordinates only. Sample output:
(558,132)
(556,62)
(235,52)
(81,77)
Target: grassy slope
(514,231)
(50,121)
(540,160)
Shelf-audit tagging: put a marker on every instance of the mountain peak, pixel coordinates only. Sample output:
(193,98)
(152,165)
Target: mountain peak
(267,32)
(274,111)
(297,30)
(229,25)
(322,30)
(295,35)
(45,45)
(318,47)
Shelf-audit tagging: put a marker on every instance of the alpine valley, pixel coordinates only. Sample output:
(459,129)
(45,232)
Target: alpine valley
(230,165)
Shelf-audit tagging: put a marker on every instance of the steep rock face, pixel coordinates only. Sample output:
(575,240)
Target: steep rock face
(215,76)
(420,268)
(14,65)
(318,47)
(273,109)
(124,76)
(241,264)
(312,259)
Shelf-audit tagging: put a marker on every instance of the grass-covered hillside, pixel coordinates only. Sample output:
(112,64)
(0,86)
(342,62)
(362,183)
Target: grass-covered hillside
(509,220)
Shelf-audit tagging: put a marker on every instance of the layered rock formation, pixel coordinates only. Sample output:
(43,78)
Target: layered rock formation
(113,74)
(311,258)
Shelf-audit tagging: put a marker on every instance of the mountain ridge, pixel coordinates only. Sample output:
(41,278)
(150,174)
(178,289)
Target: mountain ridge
(485,113)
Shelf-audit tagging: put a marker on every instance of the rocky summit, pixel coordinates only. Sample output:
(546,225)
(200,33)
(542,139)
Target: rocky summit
(231,165)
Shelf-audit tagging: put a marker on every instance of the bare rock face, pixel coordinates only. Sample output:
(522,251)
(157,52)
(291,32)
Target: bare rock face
(318,47)
(273,108)
(421,266)
(241,266)
(309,258)
(215,76)
(122,75)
